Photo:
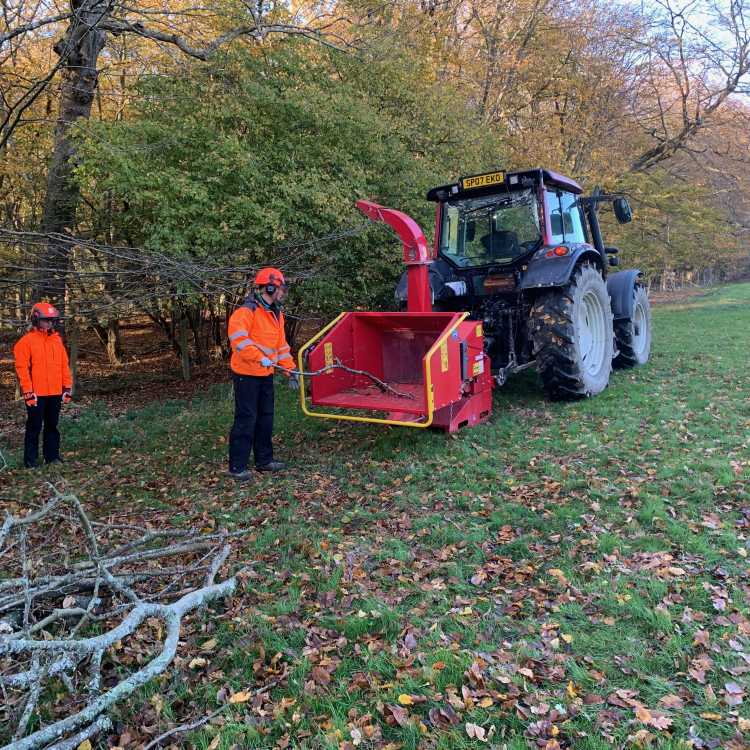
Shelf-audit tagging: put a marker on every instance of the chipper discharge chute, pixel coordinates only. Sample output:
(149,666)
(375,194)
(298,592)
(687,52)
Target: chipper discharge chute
(417,368)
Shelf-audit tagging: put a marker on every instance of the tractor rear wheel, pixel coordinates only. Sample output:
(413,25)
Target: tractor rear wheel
(633,335)
(571,330)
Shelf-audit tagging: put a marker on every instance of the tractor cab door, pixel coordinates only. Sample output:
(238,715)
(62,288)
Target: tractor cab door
(565,220)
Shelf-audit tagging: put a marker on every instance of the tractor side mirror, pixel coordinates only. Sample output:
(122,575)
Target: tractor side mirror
(622,210)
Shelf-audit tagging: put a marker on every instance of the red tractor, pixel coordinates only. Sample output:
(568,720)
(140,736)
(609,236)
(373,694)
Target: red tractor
(518,277)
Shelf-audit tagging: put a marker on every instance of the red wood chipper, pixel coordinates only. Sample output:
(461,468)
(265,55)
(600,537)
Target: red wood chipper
(519,277)
(417,368)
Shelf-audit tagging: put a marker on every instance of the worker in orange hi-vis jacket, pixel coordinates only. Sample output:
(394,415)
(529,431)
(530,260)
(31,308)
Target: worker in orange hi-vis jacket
(256,335)
(46,383)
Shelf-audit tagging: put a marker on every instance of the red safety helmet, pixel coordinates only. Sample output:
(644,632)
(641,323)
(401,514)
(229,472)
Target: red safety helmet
(271,279)
(44,311)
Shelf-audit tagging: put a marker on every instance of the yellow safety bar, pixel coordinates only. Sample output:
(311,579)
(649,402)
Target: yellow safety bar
(375,420)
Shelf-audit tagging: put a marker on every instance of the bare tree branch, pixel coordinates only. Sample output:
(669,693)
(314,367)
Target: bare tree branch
(28,663)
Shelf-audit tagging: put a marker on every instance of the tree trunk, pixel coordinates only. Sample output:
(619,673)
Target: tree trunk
(72,334)
(195,321)
(114,343)
(78,51)
(111,339)
(184,346)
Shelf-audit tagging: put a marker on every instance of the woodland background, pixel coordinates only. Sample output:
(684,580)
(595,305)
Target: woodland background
(152,155)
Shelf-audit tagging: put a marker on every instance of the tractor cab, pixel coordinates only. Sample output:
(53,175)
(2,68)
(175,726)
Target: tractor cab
(500,220)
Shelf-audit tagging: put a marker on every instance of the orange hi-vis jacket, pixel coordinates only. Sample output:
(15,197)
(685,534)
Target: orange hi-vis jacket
(256,332)
(42,363)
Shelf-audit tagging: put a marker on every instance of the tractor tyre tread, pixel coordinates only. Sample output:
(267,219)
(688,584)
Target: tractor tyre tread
(627,356)
(553,335)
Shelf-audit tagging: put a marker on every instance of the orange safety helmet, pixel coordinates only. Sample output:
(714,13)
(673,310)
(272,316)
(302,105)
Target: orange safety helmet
(43,311)
(271,279)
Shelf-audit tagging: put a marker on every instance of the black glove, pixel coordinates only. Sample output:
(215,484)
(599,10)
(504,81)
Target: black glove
(294,381)
(67,395)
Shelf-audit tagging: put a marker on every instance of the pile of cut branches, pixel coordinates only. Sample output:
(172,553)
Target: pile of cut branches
(72,590)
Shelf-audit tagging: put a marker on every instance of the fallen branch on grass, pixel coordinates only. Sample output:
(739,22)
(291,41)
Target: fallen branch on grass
(108,590)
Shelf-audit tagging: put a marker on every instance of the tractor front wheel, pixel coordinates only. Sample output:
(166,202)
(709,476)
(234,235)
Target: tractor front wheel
(571,329)
(633,335)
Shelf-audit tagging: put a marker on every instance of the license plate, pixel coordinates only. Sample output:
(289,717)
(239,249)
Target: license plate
(482,180)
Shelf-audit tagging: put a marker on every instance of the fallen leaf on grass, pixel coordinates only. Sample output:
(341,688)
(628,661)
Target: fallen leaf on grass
(660,721)
(242,697)
(733,694)
(591,699)
(675,571)
(642,738)
(443,717)
(209,645)
(479,733)
(655,719)
(642,714)
(157,702)
(395,715)
(719,604)
(671,701)
(479,578)
(702,638)
(699,675)
(623,698)
(197,663)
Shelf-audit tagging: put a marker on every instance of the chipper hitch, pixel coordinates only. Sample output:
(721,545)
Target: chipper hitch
(417,368)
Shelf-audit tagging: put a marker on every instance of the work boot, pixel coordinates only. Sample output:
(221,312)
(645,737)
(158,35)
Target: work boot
(242,475)
(272,466)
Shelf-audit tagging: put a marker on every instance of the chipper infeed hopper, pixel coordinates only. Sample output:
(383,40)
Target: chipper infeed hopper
(417,368)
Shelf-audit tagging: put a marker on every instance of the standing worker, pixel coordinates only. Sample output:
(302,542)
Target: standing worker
(46,383)
(256,334)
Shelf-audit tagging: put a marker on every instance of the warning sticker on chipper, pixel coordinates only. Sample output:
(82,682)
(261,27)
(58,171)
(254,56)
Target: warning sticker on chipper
(478,367)
(444,357)
(328,353)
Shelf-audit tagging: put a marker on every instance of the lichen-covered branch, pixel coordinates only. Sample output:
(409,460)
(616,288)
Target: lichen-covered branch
(45,632)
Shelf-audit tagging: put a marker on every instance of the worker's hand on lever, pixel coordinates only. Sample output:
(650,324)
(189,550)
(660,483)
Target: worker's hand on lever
(67,395)
(30,398)
(265,362)
(293,381)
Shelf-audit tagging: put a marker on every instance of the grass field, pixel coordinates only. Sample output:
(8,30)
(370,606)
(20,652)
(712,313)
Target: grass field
(568,575)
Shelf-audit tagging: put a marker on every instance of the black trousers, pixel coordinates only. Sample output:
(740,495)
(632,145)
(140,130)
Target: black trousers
(253,421)
(45,414)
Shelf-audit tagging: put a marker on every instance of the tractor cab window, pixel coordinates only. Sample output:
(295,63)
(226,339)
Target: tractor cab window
(565,217)
(491,230)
